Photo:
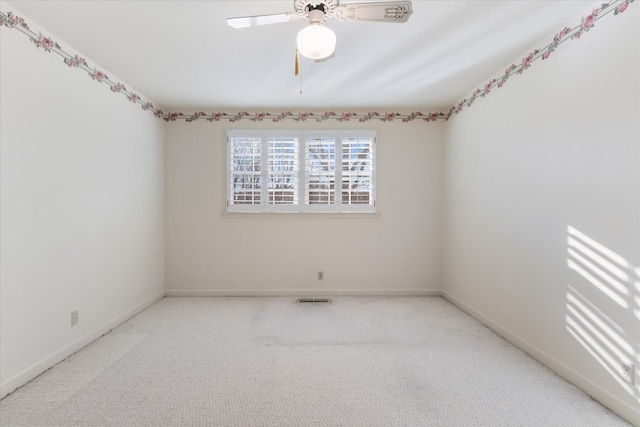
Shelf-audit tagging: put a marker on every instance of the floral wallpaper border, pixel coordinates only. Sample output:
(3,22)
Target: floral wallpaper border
(11,21)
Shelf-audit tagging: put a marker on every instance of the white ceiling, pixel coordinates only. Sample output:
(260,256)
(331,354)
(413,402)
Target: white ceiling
(183,56)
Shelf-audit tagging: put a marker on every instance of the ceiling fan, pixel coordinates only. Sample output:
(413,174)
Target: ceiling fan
(316,40)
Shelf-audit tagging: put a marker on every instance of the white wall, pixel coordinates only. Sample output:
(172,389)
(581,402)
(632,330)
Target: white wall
(395,252)
(542,210)
(81,209)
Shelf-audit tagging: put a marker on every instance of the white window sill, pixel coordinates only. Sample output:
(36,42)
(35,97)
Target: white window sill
(309,215)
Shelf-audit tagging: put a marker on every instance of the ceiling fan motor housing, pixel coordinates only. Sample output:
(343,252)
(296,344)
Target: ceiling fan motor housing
(316,15)
(304,7)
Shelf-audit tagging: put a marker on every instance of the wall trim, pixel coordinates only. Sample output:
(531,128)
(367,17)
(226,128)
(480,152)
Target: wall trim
(300,292)
(38,368)
(607,399)
(615,7)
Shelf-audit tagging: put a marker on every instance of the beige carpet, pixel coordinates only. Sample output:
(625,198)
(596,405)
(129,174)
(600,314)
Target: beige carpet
(361,361)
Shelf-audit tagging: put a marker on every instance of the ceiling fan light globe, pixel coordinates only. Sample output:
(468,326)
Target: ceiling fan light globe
(316,41)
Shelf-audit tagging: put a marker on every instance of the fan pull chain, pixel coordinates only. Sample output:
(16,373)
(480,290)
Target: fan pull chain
(298,69)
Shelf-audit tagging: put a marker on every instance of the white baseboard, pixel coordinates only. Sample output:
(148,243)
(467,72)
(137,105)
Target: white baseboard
(626,411)
(38,368)
(299,292)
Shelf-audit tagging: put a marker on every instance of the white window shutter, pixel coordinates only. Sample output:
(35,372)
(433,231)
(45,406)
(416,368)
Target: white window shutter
(320,173)
(301,171)
(357,173)
(244,185)
(283,173)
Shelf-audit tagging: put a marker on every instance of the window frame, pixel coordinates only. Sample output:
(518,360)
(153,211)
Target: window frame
(302,206)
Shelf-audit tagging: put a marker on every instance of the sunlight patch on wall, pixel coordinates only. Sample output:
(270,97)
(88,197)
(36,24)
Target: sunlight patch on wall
(608,353)
(600,266)
(636,297)
(594,321)
(598,324)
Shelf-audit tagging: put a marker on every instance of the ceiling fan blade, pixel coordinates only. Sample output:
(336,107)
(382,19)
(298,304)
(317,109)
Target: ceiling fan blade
(254,21)
(393,11)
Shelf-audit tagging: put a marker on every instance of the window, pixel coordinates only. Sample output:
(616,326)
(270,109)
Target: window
(306,171)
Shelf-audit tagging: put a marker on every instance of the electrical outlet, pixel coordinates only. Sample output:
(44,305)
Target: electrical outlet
(320,275)
(628,372)
(74,318)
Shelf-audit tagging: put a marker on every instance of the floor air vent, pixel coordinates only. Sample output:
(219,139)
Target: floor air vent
(314,300)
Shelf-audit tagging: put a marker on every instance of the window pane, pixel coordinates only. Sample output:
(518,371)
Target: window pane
(357,171)
(246,170)
(320,168)
(283,171)
(301,171)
